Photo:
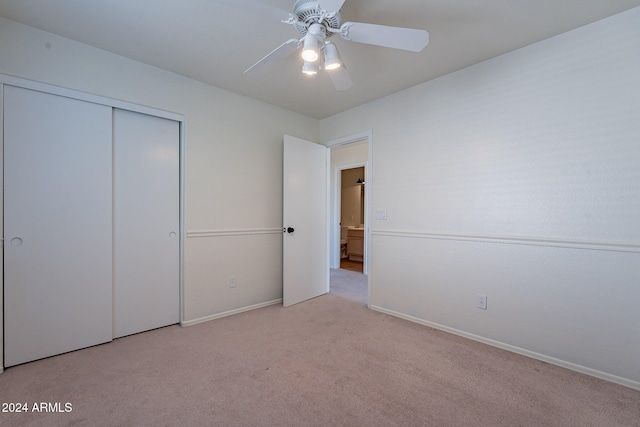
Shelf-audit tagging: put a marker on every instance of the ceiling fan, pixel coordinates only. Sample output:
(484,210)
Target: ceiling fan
(317,21)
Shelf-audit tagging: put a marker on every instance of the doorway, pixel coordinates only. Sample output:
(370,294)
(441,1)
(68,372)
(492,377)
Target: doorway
(350,169)
(352,195)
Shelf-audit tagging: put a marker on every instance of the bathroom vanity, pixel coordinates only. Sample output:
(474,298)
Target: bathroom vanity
(355,244)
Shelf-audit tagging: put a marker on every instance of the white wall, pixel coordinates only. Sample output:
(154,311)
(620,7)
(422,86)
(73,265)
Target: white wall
(233,162)
(517,178)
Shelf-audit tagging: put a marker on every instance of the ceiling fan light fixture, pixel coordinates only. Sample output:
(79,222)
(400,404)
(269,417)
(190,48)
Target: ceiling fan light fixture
(309,68)
(316,21)
(331,57)
(310,49)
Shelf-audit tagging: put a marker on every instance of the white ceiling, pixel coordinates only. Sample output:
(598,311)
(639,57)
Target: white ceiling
(214,41)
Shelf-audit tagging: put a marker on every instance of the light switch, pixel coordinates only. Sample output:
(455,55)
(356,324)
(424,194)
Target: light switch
(380,214)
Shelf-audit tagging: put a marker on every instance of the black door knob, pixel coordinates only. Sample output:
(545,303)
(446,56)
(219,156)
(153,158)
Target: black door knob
(290,230)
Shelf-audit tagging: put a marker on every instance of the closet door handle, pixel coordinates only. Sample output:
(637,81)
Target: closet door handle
(16,241)
(290,230)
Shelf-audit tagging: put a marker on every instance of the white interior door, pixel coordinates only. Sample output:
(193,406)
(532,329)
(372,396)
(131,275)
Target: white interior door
(305,221)
(146,222)
(57,224)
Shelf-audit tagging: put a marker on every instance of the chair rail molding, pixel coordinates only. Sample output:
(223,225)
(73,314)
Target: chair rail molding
(515,240)
(233,232)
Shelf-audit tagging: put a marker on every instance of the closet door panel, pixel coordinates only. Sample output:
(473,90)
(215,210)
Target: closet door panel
(146,222)
(57,224)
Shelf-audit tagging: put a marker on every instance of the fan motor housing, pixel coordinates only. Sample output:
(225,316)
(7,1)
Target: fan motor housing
(308,12)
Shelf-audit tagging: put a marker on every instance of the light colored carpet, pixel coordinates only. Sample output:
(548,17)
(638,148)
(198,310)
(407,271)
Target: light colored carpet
(329,361)
(350,284)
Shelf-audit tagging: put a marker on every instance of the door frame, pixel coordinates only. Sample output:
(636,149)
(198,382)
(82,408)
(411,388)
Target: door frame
(1,225)
(113,103)
(334,253)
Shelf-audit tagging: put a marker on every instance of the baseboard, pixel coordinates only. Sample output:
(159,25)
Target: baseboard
(544,358)
(230,312)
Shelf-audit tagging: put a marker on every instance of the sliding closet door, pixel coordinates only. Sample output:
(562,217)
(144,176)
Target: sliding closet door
(146,222)
(57,224)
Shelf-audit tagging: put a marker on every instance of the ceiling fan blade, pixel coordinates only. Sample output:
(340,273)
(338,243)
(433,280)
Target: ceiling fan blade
(340,78)
(331,5)
(257,8)
(279,53)
(382,35)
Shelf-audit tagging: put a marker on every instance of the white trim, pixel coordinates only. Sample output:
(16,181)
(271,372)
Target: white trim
(238,232)
(182,218)
(515,240)
(356,137)
(83,96)
(548,359)
(2,227)
(327,221)
(186,323)
(368,210)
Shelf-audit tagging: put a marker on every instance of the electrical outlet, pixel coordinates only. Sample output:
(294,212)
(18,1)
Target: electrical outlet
(482,302)
(232,281)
